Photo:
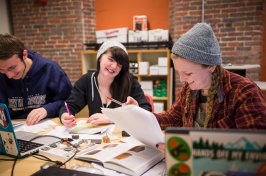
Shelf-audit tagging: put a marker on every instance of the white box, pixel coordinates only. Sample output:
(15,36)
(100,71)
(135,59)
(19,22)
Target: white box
(118,38)
(137,36)
(158,107)
(148,91)
(163,61)
(154,70)
(158,35)
(116,34)
(140,22)
(144,68)
(146,84)
(163,71)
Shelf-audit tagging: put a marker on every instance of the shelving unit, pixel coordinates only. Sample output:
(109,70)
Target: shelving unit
(89,63)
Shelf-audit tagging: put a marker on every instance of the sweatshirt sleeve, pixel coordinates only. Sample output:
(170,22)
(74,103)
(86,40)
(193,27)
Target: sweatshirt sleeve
(138,94)
(78,97)
(58,91)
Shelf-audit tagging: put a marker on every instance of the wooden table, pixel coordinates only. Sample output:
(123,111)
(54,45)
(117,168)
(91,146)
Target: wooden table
(30,165)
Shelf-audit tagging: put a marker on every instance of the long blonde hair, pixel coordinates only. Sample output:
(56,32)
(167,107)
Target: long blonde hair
(211,94)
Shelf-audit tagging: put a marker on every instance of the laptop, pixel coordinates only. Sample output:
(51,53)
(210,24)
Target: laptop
(16,144)
(215,152)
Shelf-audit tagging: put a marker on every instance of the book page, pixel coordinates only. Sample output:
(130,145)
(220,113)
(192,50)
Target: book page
(136,160)
(138,122)
(105,153)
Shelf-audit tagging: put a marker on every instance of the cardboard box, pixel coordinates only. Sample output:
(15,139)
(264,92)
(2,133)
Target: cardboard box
(118,38)
(140,23)
(154,70)
(116,34)
(137,36)
(146,85)
(163,61)
(148,91)
(144,68)
(163,71)
(158,107)
(158,35)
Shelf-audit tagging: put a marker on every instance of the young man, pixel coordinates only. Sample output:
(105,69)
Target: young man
(32,86)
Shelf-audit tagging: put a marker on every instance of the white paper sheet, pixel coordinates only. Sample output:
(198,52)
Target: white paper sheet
(39,127)
(138,122)
(63,132)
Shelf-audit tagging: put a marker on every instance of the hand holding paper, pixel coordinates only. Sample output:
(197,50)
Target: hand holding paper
(138,122)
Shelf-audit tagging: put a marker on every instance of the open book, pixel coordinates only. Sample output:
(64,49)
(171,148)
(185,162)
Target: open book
(138,122)
(131,159)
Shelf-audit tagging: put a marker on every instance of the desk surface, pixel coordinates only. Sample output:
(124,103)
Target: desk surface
(30,165)
(241,67)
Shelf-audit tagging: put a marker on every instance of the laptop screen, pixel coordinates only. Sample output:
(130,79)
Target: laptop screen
(218,152)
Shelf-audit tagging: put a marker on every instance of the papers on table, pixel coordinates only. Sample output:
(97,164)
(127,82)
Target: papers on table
(43,125)
(86,128)
(63,132)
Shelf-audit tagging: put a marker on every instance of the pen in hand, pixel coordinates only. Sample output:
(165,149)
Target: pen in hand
(113,100)
(67,109)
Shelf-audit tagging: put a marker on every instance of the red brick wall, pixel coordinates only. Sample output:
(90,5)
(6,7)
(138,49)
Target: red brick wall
(238,25)
(56,30)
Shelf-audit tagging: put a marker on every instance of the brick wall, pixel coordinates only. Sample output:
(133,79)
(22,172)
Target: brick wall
(238,25)
(56,30)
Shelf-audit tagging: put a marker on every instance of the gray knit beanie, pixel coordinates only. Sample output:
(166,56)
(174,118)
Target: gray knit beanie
(199,45)
(108,44)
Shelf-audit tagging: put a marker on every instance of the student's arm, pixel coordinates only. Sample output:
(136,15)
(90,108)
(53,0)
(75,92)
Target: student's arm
(58,91)
(77,99)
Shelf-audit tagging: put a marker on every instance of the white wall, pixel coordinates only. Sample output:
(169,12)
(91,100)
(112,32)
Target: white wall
(5,19)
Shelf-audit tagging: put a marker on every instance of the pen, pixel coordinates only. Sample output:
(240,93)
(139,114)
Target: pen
(113,100)
(67,109)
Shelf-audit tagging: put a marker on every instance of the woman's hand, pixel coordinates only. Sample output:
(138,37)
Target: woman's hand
(35,116)
(68,120)
(99,118)
(131,100)
(161,147)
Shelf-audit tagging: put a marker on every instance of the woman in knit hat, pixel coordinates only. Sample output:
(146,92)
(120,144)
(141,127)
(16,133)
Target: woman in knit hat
(211,97)
(112,79)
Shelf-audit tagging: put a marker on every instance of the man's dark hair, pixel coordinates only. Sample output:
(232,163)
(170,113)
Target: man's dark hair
(10,45)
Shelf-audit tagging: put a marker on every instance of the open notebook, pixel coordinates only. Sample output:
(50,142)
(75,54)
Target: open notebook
(215,152)
(9,142)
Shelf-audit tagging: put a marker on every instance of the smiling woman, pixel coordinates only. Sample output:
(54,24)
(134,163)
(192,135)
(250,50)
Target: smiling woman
(112,79)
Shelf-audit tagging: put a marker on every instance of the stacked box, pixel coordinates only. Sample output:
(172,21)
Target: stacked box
(144,68)
(158,107)
(137,36)
(115,34)
(158,35)
(147,87)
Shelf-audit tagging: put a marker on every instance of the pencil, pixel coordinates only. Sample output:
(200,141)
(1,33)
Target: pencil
(114,100)
(67,109)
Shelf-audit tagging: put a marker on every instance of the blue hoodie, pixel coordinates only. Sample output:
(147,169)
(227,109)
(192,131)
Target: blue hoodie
(45,85)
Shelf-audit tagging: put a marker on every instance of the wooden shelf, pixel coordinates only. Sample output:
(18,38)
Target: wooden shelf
(88,59)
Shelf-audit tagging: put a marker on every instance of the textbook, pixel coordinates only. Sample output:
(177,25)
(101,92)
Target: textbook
(131,159)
